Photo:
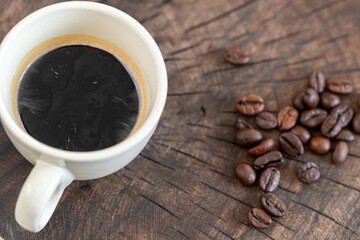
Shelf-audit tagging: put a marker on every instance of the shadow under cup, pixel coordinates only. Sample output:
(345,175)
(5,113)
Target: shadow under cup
(99,21)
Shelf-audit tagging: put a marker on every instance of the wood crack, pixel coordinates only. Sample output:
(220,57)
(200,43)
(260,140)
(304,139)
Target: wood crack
(159,163)
(163,3)
(150,18)
(288,228)
(187,68)
(222,232)
(286,190)
(302,61)
(222,15)
(275,40)
(157,204)
(144,180)
(220,173)
(319,9)
(326,216)
(198,125)
(294,159)
(204,233)
(212,214)
(222,140)
(227,195)
(335,39)
(186,48)
(177,187)
(342,184)
(183,234)
(184,153)
(174,59)
(186,94)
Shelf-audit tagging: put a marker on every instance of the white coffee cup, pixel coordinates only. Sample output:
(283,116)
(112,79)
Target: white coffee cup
(55,169)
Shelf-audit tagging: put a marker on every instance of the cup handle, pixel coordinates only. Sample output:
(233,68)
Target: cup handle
(40,194)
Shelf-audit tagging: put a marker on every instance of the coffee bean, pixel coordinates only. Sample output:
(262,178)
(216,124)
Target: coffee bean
(320,144)
(270,159)
(247,137)
(302,133)
(345,113)
(308,172)
(241,123)
(340,85)
(358,99)
(273,205)
(298,100)
(259,218)
(338,118)
(340,153)
(245,173)
(317,81)
(329,100)
(287,118)
(237,56)
(291,144)
(356,123)
(269,179)
(346,135)
(312,118)
(250,104)
(266,120)
(311,98)
(262,148)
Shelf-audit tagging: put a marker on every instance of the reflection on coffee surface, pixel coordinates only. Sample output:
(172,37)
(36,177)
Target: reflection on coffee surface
(78,98)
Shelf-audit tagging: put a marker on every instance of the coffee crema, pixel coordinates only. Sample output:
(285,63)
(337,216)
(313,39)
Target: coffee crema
(79,93)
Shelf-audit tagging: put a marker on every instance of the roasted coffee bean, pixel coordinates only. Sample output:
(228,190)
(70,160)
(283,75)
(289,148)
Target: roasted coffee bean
(262,148)
(340,85)
(346,135)
(247,137)
(308,172)
(302,133)
(317,81)
(273,205)
(245,173)
(259,218)
(329,100)
(266,120)
(237,56)
(345,113)
(287,118)
(250,104)
(340,153)
(356,123)
(311,98)
(320,144)
(338,118)
(312,118)
(291,144)
(358,99)
(298,100)
(270,159)
(269,179)
(241,123)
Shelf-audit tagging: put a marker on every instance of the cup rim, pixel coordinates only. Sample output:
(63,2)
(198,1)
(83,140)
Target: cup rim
(146,127)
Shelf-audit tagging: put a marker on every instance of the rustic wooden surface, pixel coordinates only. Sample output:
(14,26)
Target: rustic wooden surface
(182,185)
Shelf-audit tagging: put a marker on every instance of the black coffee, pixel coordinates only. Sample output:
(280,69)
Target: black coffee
(78,98)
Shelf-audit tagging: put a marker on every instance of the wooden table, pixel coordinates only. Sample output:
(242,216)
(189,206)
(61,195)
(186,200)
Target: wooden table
(182,185)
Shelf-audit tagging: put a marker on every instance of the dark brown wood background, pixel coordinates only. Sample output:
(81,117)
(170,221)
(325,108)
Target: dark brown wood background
(182,185)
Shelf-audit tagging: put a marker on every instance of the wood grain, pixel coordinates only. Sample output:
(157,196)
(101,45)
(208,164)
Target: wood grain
(182,185)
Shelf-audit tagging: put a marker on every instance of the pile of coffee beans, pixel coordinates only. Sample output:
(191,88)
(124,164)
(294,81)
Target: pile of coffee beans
(318,106)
